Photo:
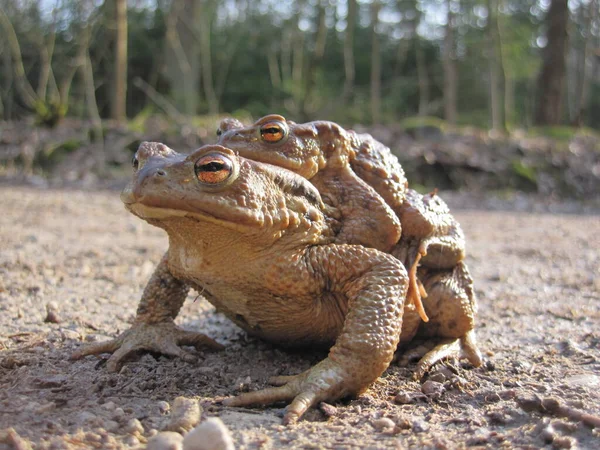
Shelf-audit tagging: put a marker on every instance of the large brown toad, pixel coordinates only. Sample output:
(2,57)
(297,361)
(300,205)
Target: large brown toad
(363,185)
(253,239)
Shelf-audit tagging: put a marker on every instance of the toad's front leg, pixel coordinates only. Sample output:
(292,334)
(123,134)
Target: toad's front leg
(374,285)
(153,329)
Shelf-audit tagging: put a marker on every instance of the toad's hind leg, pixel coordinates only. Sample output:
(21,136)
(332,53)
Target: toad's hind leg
(451,307)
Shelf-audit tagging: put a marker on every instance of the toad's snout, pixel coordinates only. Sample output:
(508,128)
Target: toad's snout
(153,165)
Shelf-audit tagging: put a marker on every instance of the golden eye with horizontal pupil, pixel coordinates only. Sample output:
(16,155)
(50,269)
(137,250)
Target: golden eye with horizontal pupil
(213,169)
(273,131)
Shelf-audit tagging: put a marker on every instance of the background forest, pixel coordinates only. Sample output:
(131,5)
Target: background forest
(476,95)
(488,63)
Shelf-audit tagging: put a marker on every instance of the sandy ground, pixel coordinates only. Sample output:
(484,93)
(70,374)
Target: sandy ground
(83,256)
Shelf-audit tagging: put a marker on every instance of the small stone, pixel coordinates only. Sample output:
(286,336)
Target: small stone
(52,314)
(432,388)
(328,410)
(134,426)
(419,426)
(111,426)
(548,434)
(564,442)
(69,335)
(383,423)
(163,407)
(109,406)
(242,384)
(118,412)
(438,377)
(131,441)
(405,398)
(186,415)
(167,440)
(403,423)
(85,417)
(46,407)
(211,434)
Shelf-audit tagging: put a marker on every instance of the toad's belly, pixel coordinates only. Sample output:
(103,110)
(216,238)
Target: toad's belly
(303,319)
(281,320)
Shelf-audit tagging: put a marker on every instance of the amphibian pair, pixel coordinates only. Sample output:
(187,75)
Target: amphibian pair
(304,234)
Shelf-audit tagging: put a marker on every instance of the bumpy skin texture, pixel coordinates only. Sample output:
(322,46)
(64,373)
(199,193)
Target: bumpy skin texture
(253,239)
(364,187)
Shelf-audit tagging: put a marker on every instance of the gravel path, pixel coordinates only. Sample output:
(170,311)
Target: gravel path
(72,268)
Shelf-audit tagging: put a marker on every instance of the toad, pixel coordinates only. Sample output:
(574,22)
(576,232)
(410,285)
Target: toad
(253,239)
(363,183)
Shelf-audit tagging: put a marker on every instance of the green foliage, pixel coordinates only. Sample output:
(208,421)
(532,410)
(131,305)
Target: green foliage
(528,175)
(138,123)
(563,134)
(49,114)
(57,153)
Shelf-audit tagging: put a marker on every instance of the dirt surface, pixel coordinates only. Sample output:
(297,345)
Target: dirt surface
(72,268)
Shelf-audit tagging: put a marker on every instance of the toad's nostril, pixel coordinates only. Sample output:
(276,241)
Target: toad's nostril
(161,173)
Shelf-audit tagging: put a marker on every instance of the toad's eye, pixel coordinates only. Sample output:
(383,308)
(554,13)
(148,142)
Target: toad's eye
(273,132)
(219,132)
(135,162)
(213,168)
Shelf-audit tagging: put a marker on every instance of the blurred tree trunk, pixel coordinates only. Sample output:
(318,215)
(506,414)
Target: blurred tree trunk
(26,91)
(183,56)
(375,65)
(7,79)
(450,69)
(292,61)
(588,64)
(314,61)
(422,77)
(551,79)
(349,65)
(497,80)
(119,100)
(206,16)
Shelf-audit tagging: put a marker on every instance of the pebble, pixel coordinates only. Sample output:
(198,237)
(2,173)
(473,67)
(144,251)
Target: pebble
(85,416)
(564,442)
(163,407)
(185,416)
(211,434)
(109,406)
(69,335)
(131,441)
(383,424)
(52,314)
(442,374)
(432,388)
(167,440)
(405,398)
(111,426)
(134,426)
(419,426)
(328,410)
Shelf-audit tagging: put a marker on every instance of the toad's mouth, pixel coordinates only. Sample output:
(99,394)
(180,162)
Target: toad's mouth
(146,212)
(237,218)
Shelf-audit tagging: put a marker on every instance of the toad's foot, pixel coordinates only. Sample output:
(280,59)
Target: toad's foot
(457,348)
(163,337)
(326,381)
